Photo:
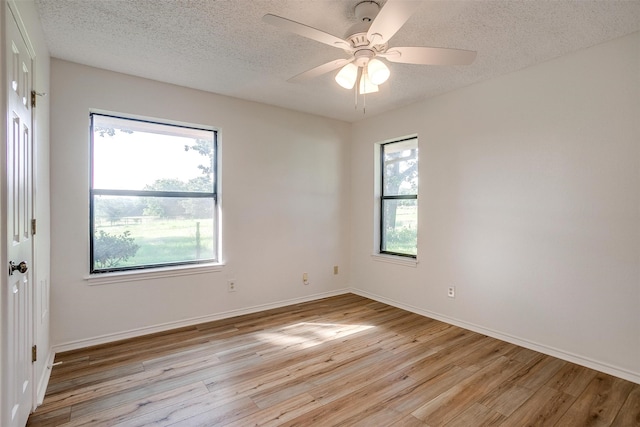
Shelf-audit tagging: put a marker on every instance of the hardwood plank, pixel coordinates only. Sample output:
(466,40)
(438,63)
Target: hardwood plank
(572,379)
(374,416)
(543,408)
(629,414)
(408,421)
(324,368)
(275,415)
(352,380)
(62,385)
(539,373)
(200,369)
(275,396)
(74,357)
(241,386)
(484,355)
(178,356)
(525,355)
(457,399)
(361,399)
(221,415)
(49,419)
(125,358)
(447,357)
(508,396)
(193,411)
(477,415)
(148,403)
(425,390)
(599,403)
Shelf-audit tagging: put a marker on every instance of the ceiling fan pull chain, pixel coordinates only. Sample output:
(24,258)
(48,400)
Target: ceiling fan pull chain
(363,81)
(364,103)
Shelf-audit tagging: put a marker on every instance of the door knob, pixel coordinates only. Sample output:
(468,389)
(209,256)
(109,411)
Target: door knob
(22,267)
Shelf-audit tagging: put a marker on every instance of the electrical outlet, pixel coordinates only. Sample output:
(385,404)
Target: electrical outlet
(305,278)
(451,292)
(335,269)
(231,285)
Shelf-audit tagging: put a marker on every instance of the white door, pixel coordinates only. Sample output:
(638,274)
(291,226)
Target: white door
(17,336)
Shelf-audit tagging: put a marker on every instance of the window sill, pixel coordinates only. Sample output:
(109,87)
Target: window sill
(398,260)
(156,273)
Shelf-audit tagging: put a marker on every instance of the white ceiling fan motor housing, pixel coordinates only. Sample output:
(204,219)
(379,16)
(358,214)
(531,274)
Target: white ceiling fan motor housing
(365,13)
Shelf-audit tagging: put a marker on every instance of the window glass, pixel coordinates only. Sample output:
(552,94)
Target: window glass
(399,198)
(153,194)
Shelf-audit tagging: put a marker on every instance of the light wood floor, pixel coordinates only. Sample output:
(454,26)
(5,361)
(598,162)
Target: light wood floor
(343,360)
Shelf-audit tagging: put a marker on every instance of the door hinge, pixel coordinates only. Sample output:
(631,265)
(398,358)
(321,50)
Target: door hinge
(33,98)
(34,354)
(33,227)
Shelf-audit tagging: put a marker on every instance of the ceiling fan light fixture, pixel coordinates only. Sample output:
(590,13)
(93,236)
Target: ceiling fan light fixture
(366,85)
(347,76)
(377,71)
(366,40)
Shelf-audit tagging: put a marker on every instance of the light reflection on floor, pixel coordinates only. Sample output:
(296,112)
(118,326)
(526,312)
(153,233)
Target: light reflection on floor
(306,334)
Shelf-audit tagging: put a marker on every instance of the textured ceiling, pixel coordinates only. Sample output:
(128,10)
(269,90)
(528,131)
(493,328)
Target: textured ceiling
(224,47)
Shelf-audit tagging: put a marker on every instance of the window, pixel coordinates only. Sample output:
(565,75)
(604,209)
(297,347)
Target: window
(399,198)
(153,194)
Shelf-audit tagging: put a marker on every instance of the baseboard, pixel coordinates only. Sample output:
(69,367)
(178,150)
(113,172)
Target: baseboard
(103,339)
(44,378)
(560,354)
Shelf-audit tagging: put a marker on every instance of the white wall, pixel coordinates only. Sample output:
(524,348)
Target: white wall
(529,204)
(285,208)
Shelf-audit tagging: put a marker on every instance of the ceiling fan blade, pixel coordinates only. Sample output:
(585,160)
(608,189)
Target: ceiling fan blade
(306,31)
(391,17)
(429,55)
(320,70)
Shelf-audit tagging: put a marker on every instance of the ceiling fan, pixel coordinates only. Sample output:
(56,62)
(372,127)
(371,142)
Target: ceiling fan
(367,41)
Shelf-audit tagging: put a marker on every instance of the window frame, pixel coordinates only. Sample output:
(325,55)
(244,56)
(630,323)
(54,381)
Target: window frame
(214,195)
(383,198)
